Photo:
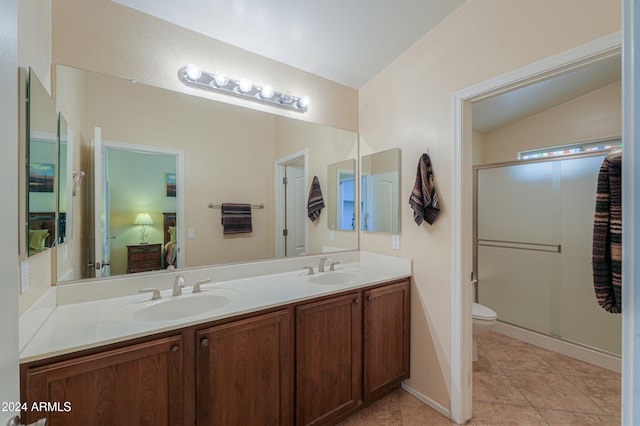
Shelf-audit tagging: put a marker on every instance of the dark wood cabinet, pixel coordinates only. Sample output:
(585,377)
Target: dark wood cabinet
(312,362)
(386,338)
(244,372)
(328,354)
(144,257)
(141,384)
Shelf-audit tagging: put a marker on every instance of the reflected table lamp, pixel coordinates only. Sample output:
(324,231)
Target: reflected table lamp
(143,219)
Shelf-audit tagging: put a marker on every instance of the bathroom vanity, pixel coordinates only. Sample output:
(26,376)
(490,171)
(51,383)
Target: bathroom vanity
(322,353)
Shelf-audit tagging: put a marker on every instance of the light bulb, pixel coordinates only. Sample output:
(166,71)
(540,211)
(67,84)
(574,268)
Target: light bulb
(267,91)
(303,102)
(245,85)
(220,79)
(193,72)
(286,98)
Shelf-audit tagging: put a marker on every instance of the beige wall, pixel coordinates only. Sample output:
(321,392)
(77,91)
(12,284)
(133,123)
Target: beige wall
(408,105)
(34,51)
(34,38)
(102,36)
(596,115)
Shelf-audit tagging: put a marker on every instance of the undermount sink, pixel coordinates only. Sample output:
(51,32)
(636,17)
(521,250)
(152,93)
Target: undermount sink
(336,278)
(179,307)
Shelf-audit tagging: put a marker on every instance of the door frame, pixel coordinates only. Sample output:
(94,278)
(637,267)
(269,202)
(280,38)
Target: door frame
(179,154)
(279,210)
(462,199)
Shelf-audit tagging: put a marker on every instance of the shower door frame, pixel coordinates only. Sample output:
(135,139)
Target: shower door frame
(548,248)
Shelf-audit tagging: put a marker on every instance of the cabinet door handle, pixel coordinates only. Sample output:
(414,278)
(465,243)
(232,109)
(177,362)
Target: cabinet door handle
(369,298)
(204,343)
(175,349)
(356,301)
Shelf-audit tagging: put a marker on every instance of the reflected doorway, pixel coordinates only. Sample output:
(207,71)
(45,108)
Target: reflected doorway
(141,207)
(291,205)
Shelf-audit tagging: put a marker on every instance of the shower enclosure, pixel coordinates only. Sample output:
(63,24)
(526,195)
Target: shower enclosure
(534,225)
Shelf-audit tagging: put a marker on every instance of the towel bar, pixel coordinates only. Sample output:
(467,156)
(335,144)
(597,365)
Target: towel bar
(219,206)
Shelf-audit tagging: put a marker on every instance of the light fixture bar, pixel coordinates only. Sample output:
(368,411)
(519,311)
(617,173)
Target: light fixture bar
(193,76)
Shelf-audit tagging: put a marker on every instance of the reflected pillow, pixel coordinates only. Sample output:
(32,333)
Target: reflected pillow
(37,238)
(172,233)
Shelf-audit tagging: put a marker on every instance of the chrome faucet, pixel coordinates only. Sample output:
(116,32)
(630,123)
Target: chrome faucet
(328,260)
(309,269)
(196,286)
(155,291)
(178,283)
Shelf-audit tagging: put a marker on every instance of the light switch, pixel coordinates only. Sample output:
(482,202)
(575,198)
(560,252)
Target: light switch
(332,235)
(395,242)
(191,233)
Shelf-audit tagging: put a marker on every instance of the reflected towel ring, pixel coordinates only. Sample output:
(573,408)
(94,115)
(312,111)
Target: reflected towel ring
(77,178)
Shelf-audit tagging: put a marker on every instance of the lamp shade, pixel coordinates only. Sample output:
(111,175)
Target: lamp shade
(143,219)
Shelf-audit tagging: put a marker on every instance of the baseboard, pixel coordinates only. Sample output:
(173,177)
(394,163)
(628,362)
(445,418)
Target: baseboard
(582,353)
(430,402)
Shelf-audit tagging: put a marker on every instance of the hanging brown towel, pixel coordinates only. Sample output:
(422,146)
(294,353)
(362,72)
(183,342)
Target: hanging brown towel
(424,200)
(316,202)
(607,237)
(236,218)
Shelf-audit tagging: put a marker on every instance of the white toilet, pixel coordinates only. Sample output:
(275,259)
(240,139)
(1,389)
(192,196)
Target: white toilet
(484,319)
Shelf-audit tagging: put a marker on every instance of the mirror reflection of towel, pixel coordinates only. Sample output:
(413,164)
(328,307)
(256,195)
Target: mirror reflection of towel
(316,202)
(236,218)
(424,200)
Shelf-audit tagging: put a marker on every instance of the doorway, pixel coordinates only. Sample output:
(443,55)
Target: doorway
(139,200)
(291,183)
(462,209)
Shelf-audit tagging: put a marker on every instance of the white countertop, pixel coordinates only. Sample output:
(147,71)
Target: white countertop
(71,327)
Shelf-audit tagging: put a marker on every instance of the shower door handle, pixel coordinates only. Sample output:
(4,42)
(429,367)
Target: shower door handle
(474,278)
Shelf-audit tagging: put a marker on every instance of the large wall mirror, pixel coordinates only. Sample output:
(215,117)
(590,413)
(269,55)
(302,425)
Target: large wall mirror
(42,158)
(380,193)
(165,158)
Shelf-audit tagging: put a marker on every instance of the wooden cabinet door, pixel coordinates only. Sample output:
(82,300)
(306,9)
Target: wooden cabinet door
(386,338)
(328,358)
(141,384)
(244,372)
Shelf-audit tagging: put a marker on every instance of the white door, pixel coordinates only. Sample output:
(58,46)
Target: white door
(101,199)
(380,203)
(296,210)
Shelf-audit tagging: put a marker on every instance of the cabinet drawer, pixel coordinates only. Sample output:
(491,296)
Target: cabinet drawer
(147,249)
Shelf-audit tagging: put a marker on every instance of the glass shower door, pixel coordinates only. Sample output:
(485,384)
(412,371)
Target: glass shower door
(518,270)
(534,229)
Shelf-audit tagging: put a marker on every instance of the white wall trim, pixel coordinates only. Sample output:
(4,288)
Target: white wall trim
(461,366)
(279,166)
(430,402)
(630,210)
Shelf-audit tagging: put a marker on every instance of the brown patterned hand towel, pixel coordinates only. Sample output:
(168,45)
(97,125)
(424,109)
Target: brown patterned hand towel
(236,218)
(607,237)
(424,200)
(316,202)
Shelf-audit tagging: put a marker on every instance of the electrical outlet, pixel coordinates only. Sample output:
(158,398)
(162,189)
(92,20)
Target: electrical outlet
(395,242)
(332,235)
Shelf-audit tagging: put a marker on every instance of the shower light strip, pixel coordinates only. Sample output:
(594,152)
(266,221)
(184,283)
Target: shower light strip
(193,76)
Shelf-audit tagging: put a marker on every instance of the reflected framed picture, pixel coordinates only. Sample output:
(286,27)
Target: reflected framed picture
(170,184)
(41,177)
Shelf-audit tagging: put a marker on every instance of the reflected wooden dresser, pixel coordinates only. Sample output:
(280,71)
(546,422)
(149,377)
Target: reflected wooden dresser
(144,257)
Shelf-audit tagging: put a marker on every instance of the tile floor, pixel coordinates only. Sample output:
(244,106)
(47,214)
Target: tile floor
(515,383)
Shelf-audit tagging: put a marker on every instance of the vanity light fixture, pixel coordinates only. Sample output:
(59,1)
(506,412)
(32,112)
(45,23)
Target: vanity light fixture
(193,76)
